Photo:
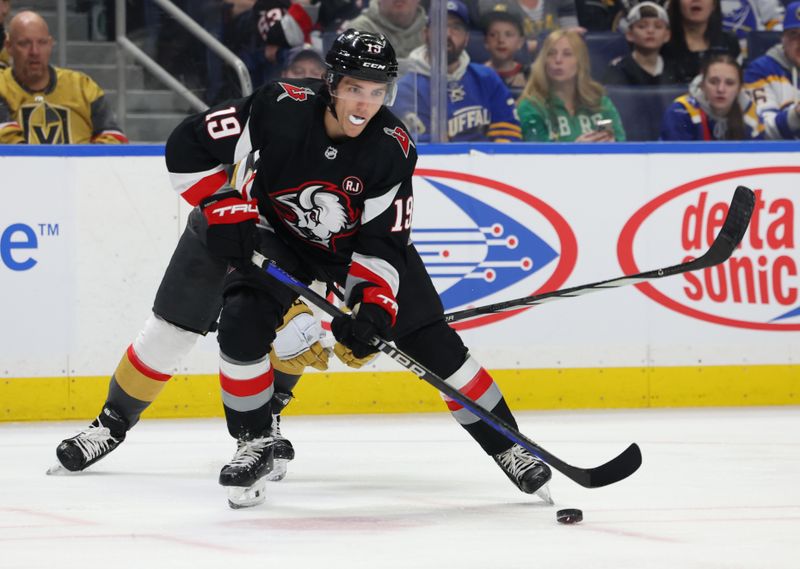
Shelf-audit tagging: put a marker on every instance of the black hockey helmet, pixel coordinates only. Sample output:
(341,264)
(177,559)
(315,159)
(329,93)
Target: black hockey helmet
(363,55)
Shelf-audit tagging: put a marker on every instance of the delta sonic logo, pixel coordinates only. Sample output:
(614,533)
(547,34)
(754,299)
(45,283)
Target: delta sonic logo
(757,288)
(483,241)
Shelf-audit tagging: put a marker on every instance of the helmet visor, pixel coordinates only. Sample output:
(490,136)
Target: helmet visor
(363,90)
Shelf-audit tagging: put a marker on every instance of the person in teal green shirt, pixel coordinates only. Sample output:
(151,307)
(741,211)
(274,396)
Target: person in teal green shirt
(561,102)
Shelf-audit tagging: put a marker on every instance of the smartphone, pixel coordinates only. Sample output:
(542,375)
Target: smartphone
(604,125)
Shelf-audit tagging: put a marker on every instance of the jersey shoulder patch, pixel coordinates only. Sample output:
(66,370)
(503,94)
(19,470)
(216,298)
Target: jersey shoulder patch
(291,90)
(402,138)
(394,131)
(294,92)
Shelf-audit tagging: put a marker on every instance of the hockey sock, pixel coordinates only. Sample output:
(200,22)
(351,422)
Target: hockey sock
(440,348)
(476,383)
(247,389)
(146,366)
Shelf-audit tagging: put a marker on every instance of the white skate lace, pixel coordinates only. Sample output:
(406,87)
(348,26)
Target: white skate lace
(517,461)
(249,452)
(94,441)
(275,430)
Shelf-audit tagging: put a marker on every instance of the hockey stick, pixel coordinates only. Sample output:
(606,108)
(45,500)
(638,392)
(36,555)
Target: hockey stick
(614,470)
(727,240)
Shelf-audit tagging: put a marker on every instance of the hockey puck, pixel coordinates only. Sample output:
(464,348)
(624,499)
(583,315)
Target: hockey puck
(569,516)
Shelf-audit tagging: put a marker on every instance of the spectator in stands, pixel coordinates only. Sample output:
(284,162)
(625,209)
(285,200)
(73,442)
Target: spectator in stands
(479,106)
(537,16)
(715,108)
(599,15)
(302,62)
(561,102)
(647,31)
(772,81)
(258,33)
(5,8)
(504,38)
(401,21)
(41,104)
(696,27)
(743,16)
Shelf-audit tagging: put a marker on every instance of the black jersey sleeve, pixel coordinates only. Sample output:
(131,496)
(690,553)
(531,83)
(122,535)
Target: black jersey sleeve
(200,148)
(379,257)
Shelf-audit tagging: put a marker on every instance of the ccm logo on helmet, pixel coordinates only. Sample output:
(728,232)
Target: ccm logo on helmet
(373,65)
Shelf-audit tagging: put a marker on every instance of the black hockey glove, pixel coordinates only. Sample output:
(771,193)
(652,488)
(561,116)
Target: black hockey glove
(355,332)
(231,231)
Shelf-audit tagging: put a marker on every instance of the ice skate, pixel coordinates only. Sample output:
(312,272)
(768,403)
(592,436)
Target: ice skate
(283,451)
(90,445)
(245,475)
(527,472)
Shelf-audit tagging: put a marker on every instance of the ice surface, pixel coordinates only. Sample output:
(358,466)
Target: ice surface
(719,488)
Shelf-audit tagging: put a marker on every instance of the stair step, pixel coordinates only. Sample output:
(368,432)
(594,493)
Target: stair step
(45,5)
(91,52)
(151,127)
(106,75)
(77,25)
(155,101)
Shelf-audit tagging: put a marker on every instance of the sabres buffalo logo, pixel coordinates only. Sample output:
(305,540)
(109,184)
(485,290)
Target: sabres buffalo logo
(318,212)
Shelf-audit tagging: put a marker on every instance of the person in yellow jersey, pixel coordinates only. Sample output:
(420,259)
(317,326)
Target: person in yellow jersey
(5,8)
(42,104)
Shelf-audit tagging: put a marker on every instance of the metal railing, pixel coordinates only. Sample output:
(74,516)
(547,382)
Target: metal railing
(125,46)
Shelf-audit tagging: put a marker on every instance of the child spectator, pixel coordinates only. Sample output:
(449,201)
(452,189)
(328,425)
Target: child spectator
(561,102)
(647,32)
(696,31)
(715,108)
(504,38)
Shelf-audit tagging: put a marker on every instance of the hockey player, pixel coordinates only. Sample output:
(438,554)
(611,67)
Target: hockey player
(186,306)
(332,200)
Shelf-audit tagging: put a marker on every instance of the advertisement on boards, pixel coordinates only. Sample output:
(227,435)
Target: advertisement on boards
(37,223)
(83,244)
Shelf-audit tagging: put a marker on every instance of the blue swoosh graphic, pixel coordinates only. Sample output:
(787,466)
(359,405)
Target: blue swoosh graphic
(790,314)
(495,253)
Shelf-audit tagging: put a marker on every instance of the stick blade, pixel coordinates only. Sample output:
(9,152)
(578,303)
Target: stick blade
(614,470)
(734,228)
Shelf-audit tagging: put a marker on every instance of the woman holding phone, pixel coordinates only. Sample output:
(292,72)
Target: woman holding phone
(561,102)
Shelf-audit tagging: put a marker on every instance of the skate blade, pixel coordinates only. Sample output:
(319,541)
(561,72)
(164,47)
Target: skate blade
(278,472)
(59,470)
(247,497)
(544,494)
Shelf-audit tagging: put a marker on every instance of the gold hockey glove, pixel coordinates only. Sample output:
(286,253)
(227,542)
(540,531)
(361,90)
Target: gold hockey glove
(297,343)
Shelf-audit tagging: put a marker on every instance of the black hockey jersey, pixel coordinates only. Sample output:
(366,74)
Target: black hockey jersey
(332,201)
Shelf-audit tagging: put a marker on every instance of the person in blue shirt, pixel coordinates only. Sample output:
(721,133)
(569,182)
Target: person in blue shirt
(715,108)
(479,105)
